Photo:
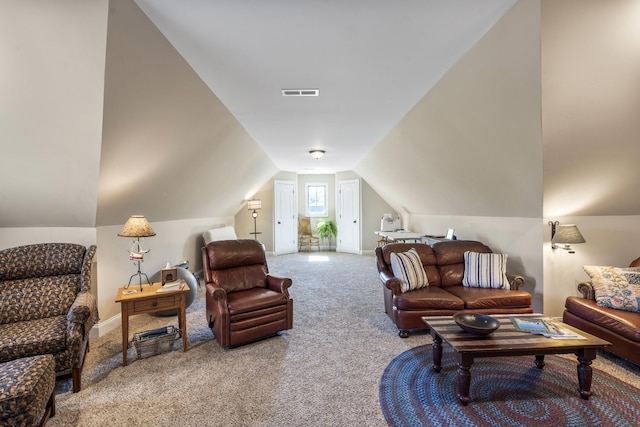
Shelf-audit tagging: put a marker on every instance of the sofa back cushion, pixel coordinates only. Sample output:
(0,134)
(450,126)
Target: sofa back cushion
(425,252)
(41,260)
(450,259)
(37,297)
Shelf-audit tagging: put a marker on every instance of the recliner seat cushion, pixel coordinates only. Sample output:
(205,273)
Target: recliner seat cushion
(250,300)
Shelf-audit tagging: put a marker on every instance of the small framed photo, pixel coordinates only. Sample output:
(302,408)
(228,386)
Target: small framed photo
(169,275)
(450,232)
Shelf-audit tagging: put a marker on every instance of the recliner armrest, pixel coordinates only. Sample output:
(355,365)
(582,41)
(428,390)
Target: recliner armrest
(279,284)
(216,292)
(587,291)
(515,281)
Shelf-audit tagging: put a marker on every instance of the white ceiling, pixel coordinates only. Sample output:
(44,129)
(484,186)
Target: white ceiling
(372,61)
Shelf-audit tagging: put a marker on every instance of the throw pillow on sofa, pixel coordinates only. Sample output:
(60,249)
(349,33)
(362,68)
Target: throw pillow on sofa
(615,287)
(485,270)
(407,266)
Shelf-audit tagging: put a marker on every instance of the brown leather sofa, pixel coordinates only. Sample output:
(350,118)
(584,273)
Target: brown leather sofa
(244,302)
(444,264)
(620,328)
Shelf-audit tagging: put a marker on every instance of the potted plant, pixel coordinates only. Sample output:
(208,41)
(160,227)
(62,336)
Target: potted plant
(327,229)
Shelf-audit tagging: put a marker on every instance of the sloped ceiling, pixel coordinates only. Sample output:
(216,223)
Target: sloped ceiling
(473,145)
(170,150)
(372,61)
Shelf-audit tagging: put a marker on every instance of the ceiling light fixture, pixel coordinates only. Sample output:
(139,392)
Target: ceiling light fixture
(316,154)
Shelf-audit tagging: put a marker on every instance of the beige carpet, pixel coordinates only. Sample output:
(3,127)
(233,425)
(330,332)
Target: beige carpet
(324,372)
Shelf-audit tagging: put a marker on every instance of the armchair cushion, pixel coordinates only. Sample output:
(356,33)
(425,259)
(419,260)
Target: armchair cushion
(616,288)
(407,267)
(485,270)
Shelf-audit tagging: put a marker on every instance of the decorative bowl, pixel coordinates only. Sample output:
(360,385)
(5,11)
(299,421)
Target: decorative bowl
(476,323)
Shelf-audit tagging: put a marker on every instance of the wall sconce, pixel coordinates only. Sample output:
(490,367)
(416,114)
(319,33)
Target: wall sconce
(137,226)
(317,154)
(566,234)
(254,205)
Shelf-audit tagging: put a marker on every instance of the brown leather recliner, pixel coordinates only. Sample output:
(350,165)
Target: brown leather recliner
(244,302)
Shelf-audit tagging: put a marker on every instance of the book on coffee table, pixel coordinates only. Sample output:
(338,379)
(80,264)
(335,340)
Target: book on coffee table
(544,326)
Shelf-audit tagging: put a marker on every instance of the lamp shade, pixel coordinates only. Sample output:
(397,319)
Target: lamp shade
(137,226)
(254,204)
(567,234)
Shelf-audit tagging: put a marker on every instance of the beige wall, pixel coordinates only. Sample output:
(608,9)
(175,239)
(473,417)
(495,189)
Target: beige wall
(51,97)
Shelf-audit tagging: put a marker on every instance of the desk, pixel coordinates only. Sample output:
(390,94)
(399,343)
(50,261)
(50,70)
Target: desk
(149,301)
(399,236)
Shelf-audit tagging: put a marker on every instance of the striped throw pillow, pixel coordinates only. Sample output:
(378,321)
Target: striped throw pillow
(407,267)
(483,270)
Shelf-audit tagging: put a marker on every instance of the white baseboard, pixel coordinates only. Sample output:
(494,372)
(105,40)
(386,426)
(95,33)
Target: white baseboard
(107,326)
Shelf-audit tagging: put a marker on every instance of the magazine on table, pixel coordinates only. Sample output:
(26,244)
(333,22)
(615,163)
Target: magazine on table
(544,326)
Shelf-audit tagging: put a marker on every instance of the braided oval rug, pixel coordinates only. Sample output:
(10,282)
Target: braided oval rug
(504,392)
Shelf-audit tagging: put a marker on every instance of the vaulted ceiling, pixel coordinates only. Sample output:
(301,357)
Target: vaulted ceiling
(372,61)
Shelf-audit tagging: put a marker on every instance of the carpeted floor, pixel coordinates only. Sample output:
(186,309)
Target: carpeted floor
(323,372)
(505,391)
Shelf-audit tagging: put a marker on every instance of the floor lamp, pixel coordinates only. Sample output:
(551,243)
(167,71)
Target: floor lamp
(254,205)
(137,226)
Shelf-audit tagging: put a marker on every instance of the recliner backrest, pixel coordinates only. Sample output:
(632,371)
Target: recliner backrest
(235,265)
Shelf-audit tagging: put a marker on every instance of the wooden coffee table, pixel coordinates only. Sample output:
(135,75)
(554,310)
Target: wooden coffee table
(507,341)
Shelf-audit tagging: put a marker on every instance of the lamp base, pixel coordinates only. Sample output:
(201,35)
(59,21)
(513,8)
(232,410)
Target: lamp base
(139,274)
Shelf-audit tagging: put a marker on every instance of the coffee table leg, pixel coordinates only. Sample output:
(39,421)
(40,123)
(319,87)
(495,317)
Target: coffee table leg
(437,353)
(585,372)
(540,361)
(464,378)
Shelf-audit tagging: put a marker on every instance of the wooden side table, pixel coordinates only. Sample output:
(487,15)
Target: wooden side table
(149,301)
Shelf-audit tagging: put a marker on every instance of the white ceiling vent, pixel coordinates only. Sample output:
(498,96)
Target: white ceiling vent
(300,92)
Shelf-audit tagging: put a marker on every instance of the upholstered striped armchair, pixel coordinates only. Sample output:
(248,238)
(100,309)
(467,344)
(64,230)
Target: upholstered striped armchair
(46,305)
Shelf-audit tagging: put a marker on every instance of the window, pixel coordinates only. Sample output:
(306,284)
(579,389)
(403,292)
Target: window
(316,199)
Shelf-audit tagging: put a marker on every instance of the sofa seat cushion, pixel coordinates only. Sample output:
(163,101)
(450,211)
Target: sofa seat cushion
(250,300)
(428,298)
(484,298)
(33,337)
(25,388)
(624,323)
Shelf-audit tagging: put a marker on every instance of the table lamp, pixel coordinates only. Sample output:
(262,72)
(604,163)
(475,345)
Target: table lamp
(137,226)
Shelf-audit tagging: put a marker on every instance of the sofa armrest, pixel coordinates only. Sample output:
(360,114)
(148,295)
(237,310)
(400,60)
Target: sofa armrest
(279,284)
(587,291)
(84,311)
(515,281)
(391,282)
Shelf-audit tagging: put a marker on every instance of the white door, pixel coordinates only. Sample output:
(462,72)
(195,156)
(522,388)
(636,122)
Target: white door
(348,216)
(286,218)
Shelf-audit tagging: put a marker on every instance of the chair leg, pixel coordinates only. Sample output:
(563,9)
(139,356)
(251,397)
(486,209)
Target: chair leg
(76,377)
